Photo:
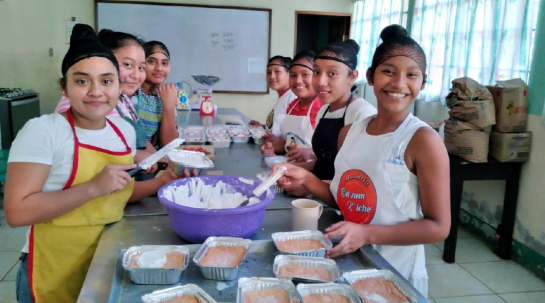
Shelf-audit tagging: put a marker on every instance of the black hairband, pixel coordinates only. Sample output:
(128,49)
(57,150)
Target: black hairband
(299,64)
(277,64)
(159,53)
(334,59)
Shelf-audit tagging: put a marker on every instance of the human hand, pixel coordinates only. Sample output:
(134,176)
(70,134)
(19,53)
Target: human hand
(294,175)
(113,178)
(269,137)
(300,155)
(353,235)
(168,175)
(267,149)
(151,170)
(169,95)
(296,188)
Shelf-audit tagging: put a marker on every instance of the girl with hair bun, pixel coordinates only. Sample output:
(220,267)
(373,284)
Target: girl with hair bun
(67,176)
(391,178)
(334,75)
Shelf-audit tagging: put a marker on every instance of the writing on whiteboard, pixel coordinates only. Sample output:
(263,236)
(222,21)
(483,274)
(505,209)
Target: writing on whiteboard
(223,40)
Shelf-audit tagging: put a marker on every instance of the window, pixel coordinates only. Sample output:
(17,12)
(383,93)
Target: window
(486,40)
(370,17)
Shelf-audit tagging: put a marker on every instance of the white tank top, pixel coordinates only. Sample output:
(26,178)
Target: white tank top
(372,185)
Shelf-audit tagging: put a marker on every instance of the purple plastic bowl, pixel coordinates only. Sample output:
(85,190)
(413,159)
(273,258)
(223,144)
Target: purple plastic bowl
(196,225)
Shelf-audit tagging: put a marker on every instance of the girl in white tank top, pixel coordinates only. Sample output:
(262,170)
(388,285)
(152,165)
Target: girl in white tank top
(391,178)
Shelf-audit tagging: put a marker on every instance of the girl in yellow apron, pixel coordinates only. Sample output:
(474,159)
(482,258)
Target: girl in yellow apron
(391,179)
(67,175)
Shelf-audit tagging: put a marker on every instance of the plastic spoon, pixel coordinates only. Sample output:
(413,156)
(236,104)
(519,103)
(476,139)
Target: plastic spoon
(266,184)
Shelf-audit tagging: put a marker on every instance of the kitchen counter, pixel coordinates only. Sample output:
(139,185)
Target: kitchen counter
(146,222)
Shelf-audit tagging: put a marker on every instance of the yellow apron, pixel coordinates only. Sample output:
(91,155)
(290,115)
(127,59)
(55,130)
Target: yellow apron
(61,250)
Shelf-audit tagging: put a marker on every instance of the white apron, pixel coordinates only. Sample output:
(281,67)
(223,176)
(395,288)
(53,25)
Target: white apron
(372,185)
(297,130)
(277,114)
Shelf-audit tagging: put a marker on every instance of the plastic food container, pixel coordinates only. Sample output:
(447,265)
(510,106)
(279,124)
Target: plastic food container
(275,160)
(258,284)
(307,262)
(258,140)
(172,293)
(241,138)
(194,140)
(220,141)
(154,275)
(328,289)
(355,276)
(220,273)
(181,159)
(304,234)
(194,128)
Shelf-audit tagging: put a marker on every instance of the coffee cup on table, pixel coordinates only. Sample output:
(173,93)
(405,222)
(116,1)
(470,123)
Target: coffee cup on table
(305,214)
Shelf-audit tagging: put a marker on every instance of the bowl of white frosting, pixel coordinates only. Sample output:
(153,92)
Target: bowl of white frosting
(206,206)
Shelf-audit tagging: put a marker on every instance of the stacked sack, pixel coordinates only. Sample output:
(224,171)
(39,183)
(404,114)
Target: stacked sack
(472,115)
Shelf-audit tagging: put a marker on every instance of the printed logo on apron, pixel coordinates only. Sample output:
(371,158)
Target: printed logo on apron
(357,197)
(269,121)
(294,141)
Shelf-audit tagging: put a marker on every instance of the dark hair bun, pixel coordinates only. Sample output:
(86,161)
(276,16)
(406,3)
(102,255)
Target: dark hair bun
(353,45)
(390,32)
(104,34)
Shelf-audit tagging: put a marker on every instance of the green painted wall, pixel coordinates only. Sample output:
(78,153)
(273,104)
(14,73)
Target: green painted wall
(537,69)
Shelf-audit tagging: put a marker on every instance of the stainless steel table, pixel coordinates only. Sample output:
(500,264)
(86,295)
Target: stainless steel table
(146,223)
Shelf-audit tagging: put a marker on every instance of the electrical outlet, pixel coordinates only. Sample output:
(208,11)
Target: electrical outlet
(51,50)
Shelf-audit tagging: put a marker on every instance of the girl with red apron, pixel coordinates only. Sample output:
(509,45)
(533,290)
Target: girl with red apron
(61,250)
(297,127)
(65,225)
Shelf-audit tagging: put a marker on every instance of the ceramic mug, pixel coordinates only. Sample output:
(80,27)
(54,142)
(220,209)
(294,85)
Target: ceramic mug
(305,214)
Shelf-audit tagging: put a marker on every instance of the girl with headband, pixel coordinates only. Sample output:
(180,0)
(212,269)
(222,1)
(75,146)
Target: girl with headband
(156,102)
(278,79)
(391,178)
(298,126)
(334,75)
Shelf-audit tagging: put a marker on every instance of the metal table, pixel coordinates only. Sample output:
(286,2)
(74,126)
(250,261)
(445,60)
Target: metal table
(146,223)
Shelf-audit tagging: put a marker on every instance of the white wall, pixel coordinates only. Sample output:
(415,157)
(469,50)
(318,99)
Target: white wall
(28,28)
(485,198)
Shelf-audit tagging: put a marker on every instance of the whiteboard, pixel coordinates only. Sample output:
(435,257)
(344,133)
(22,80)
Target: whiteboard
(228,42)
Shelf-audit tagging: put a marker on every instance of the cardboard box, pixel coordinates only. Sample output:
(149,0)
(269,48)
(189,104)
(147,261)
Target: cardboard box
(465,141)
(511,100)
(510,147)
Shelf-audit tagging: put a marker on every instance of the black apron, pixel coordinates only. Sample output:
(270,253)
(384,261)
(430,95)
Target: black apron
(325,143)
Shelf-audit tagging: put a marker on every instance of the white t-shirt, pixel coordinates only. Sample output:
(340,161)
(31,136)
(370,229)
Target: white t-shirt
(358,110)
(49,140)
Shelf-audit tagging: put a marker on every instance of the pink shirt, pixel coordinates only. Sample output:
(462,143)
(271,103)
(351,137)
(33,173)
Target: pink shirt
(64,105)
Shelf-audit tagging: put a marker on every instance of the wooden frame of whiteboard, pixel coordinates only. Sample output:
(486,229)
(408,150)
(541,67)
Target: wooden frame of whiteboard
(297,13)
(266,92)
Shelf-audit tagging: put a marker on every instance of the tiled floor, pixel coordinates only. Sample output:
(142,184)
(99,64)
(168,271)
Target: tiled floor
(478,276)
